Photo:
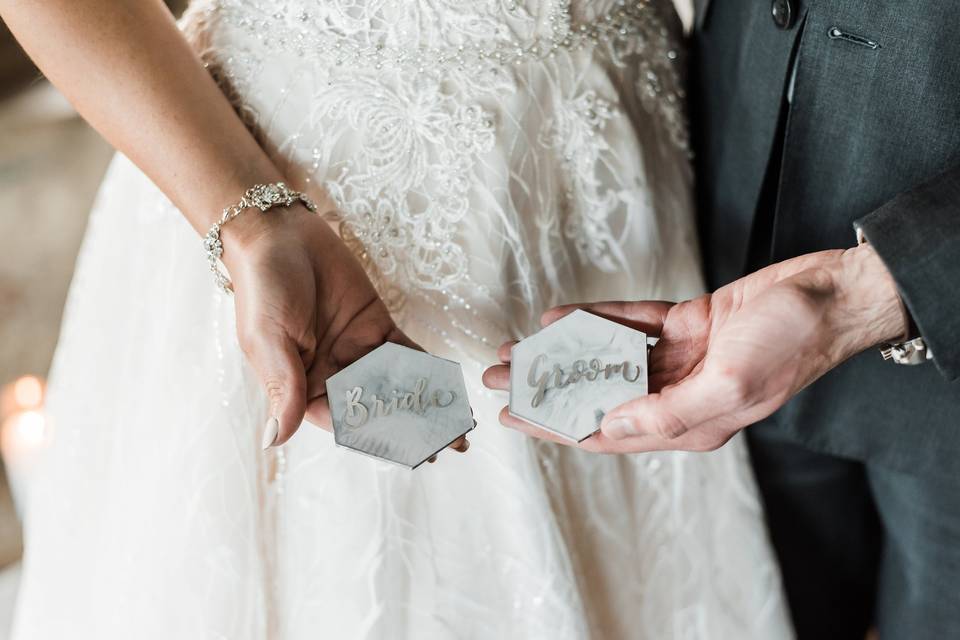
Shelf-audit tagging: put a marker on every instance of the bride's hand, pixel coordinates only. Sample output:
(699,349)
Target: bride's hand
(305,309)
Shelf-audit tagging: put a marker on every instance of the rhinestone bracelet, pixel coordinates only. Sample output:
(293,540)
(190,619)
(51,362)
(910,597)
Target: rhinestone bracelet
(261,196)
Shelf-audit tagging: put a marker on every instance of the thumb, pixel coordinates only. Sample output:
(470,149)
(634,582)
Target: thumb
(277,361)
(668,414)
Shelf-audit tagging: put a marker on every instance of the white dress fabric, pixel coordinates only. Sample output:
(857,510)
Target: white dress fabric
(492,158)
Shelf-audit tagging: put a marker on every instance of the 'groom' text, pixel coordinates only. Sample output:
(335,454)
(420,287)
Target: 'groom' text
(580,370)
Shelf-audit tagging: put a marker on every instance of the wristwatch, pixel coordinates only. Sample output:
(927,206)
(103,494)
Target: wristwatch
(910,352)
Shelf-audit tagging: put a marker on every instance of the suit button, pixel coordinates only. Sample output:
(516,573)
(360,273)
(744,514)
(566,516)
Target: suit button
(782,12)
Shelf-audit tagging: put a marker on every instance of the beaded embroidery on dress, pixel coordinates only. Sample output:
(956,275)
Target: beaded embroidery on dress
(491,158)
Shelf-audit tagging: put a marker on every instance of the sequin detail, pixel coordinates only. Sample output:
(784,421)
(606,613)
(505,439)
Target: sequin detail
(422,113)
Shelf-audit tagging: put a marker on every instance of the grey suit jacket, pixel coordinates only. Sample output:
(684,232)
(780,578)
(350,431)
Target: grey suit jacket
(870,139)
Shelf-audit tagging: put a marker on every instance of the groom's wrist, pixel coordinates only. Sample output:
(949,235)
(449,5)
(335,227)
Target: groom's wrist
(867,309)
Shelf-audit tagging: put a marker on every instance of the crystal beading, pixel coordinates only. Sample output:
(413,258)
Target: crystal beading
(625,21)
(628,27)
(422,97)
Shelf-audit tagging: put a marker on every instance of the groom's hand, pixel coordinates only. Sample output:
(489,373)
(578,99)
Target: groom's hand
(727,360)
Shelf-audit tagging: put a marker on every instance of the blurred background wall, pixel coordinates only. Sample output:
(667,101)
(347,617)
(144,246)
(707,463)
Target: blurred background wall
(51,164)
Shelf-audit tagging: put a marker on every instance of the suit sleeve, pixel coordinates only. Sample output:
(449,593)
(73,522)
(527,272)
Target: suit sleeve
(917,235)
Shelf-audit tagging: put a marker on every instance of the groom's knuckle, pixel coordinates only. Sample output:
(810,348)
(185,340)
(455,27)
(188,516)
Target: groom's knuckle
(668,426)
(734,386)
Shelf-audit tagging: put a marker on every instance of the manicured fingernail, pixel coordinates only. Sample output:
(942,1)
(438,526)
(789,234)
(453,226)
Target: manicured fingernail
(270,432)
(619,428)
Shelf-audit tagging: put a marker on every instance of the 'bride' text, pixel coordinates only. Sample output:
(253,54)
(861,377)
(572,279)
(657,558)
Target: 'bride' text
(358,412)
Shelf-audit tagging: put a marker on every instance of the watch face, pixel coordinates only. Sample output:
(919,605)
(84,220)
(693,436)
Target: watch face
(399,404)
(567,376)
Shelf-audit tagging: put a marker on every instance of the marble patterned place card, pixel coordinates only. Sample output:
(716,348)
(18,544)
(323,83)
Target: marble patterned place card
(399,404)
(567,376)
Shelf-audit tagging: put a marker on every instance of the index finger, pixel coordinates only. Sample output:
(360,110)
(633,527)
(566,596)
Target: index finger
(647,316)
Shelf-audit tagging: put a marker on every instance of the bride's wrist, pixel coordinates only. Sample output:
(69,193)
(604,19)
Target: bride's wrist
(250,231)
(266,218)
(260,234)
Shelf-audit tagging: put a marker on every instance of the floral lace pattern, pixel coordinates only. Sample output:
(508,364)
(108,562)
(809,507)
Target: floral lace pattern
(409,141)
(417,88)
(576,134)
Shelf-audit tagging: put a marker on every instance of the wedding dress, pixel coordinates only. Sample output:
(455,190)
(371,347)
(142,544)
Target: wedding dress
(491,158)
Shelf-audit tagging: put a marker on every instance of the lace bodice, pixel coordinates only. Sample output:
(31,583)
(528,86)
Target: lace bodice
(472,41)
(409,112)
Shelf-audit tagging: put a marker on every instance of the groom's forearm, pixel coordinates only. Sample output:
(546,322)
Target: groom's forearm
(917,235)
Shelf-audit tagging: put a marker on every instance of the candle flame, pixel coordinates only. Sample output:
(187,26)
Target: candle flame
(23,425)
(28,392)
(26,428)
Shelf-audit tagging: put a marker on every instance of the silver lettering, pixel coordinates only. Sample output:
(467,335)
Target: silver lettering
(579,370)
(358,412)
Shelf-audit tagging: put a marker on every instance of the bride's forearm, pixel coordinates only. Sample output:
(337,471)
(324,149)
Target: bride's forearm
(131,74)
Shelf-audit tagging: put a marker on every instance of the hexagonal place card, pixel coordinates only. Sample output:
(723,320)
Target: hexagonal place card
(567,376)
(399,404)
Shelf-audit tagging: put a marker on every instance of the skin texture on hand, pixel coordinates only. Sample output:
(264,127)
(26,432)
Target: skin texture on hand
(305,309)
(727,360)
